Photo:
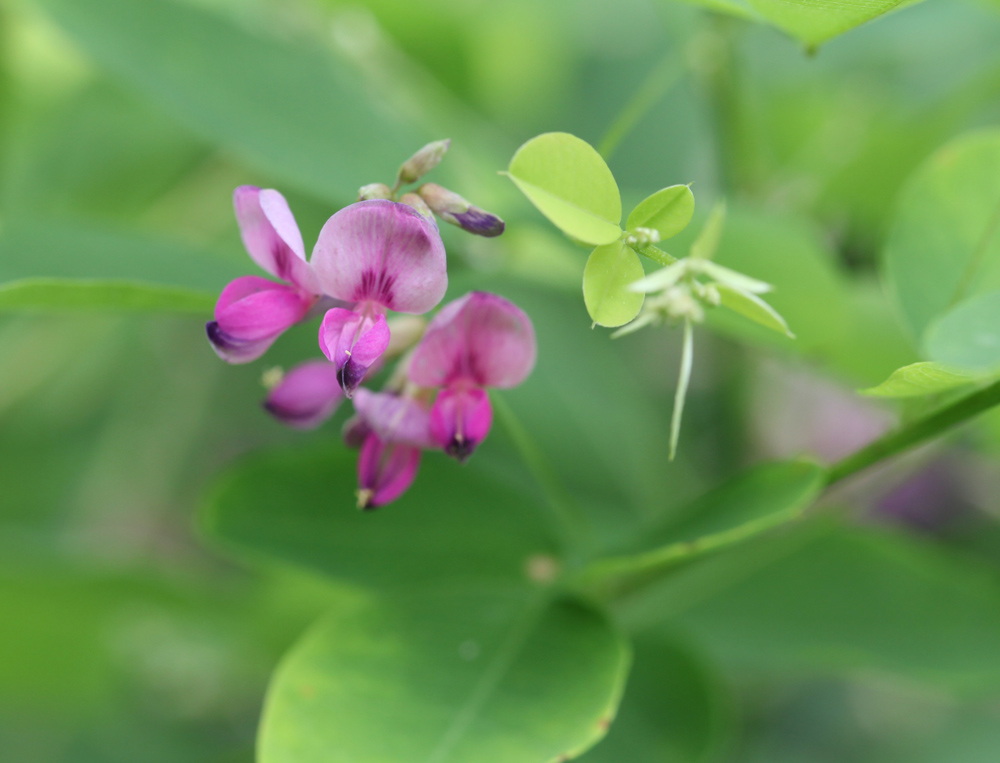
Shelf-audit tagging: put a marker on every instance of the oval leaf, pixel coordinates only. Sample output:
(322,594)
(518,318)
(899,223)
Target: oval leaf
(571,185)
(668,211)
(492,676)
(920,379)
(944,245)
(606,279)
(814,22)
(753,307)
(968,337)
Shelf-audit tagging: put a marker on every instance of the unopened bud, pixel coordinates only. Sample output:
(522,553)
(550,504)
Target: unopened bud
(412,200)
(422,162)
(643,237)
(404,332)
(452,208)
(374,191)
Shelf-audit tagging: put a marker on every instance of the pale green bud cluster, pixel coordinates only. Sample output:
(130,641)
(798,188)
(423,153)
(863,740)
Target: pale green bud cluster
(422,162)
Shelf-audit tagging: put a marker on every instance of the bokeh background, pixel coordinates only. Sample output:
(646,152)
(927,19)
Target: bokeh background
(124,636)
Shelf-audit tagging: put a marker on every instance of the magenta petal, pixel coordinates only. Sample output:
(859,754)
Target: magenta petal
(460,420)
(384,252)
(271,236)
(353,343)
(480,338)
(307,396)
(385,471)
(395,418)
(250,314)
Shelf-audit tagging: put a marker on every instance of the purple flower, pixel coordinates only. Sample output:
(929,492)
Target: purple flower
(307,396)
(397,430)
(252,311)
(377,255)
(480,340)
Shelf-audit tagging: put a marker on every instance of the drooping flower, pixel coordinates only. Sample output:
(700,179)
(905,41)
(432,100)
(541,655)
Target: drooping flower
(397,430)
(306,396)
(378,255)
(252,312)
(480,340)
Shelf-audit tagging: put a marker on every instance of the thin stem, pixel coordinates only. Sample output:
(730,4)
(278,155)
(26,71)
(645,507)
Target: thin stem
(656,255)
(658,82)
(916,433)
(565,509)
(687,356)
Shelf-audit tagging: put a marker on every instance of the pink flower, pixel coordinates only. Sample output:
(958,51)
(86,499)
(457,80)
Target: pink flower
(397,429)
(252,311)
(378,255)
(480,340)
(307,396)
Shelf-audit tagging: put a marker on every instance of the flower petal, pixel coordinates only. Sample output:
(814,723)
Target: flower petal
(460,420)
(271,236)
(353,343)
(480,338)
(395,418)
(385,471)
(307,396)
(384,252)
(250,314)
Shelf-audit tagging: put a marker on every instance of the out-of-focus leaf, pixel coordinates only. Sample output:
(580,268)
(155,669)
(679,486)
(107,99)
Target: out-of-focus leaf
(55,295)
(920,379)
(707,241)
(293,111)
(571,185)
(610,269)
(763,498)
(944,245)
(968,337)
(298,506)
(673,711)
(668,211)
(753,307)
(830,598)
(493,675)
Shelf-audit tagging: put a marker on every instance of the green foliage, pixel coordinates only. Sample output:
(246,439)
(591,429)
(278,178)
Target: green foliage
(55,296)
(753,307)
(968,336)
(668,211)
(919,379)
(609,271)
(490,674)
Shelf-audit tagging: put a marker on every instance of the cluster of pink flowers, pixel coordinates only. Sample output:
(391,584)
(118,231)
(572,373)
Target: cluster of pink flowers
(371,258)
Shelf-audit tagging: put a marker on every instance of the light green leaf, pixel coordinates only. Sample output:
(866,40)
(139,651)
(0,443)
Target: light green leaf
(730,277)
(763,498)
(918,379)
(661,279)
(55,295)
(668,211)
(447,676)
(968,337)
(287,107)
(298,506)
(610,269)
(739,8)
(944,244)
(753,307)
(674,709)
(571,185)
(707,243)
(815,21)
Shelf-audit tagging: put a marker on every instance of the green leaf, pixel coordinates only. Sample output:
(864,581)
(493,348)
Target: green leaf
(832,598)
(919,379)
(287,107)
(753,307)
(571,185)
(610,269)
(298,506)
(705,246)
(447,676)
(674,709)
(814,22)
(968,337)
(944,244)
(668,211)
(763,498)
(55,295)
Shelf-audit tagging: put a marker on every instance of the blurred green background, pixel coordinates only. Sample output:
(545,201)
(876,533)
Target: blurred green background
(124,127)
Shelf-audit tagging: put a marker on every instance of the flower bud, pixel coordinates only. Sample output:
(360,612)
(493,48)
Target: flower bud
(374,191)
(411,199)
(422,162)
(452,208)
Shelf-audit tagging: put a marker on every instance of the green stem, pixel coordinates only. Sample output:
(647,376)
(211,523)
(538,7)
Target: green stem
(916,433)
(656,255)
(565,509)
(687,356)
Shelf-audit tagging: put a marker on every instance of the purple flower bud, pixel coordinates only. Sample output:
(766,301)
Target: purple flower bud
(452,208)
(460,420)
(422,162)
(353,342)
(374,191)
(307,395)
(385,471)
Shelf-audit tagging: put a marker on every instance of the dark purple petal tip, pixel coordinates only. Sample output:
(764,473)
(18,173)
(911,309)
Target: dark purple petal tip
(478,221)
